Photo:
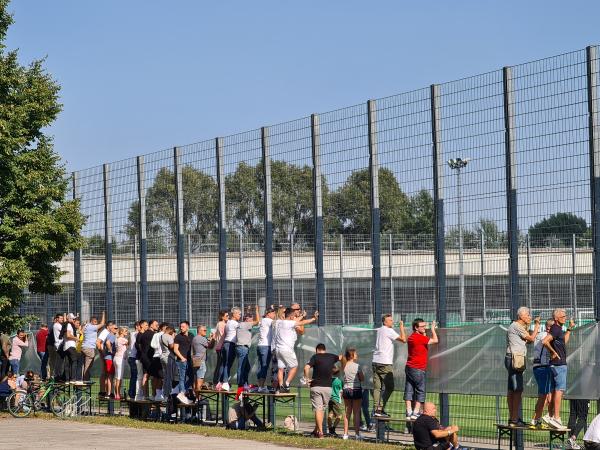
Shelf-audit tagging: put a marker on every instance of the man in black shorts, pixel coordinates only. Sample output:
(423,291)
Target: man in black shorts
(429,434)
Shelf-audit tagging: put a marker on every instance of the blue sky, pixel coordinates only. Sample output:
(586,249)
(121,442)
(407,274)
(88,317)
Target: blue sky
(139,76)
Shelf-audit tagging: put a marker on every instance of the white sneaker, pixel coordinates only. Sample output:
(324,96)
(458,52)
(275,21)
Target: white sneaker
(139,398)
(547,420)
(345,437)
(225,386)
(263,390)
(159,398)
(572,444)
(183,399)
(556,424)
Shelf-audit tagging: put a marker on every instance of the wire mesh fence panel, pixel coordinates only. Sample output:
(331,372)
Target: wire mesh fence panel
(552,149)
(472,128)
(344,157)
(404,144)
(201,217)
(160,202)
(293,227)
(244,200)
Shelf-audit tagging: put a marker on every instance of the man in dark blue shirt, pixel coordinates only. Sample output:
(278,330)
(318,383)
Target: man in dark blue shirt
(556,342)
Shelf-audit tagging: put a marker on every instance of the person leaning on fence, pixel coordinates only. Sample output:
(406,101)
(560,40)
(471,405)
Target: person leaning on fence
(263,349)
(517,338)
(383,363)
(416,365)
(591,438)
(88,347)
(541,373)
(286,334)
(556,343)
(429,434)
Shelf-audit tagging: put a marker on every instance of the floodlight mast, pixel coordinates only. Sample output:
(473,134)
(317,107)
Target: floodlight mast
(457,164)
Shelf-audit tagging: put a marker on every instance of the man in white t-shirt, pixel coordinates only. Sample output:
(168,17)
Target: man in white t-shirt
(69,348)
(100,346)
(228,351)
(286,336)
(383,363)
(591,439)
(57,368)
(263,349)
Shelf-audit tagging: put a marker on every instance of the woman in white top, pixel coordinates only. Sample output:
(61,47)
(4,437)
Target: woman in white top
(263,350)
(228,353)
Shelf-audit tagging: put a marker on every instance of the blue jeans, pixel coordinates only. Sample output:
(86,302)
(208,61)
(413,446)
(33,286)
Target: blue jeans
(44,364)
(264,358)
(227,358)
(133,370)
(182,371)
(243,364)
(364,405)
(14,366)
(558,380)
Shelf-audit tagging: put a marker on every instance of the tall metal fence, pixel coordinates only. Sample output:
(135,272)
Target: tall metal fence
(460,201)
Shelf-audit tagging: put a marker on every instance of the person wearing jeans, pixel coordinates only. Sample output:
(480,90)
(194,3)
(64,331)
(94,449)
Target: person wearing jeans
(181,347)
(18,343)
(243,340)
(131,360)
(263,350)
(228,352)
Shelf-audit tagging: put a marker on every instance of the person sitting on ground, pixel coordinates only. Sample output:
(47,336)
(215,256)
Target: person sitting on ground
(284,348)
(323,365)
(429,434)
(591,439)
(335,410)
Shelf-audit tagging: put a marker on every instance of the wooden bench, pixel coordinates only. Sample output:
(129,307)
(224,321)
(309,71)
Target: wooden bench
(382,431)
(142,409)
(556,437)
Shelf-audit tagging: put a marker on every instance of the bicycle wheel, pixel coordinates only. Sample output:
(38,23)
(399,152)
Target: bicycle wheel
(20,404)
(60,403)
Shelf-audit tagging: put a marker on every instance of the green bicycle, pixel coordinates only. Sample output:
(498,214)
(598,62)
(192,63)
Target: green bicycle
(46,395)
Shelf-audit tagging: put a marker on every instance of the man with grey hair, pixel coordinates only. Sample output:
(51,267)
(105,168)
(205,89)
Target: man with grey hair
(556,343)
(517,337)
(229,346)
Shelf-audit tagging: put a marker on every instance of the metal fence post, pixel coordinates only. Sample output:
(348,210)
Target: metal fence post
(392,298)
(574,276)
(141,179)
(483,285)
(511,205)
(241,258)
(222,225)
(135,279)
(511,191)
(77,280)
(439,241)
(342,279)
(179,234)
(375,214)
(293,284)
(189,276)
(318,214)
(268,219)
(108,244)
(529,281)
(593,95)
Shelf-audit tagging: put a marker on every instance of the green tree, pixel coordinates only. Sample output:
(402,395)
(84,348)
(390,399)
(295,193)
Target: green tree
(420,214)
(200,200)
(244,202)
(557,229)
(492,236)
(37,225)
(351,204)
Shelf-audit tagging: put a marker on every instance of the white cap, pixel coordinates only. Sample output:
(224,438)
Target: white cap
(71,316)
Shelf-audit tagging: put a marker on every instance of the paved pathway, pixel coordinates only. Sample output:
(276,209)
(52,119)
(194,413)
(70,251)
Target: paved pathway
(54,434)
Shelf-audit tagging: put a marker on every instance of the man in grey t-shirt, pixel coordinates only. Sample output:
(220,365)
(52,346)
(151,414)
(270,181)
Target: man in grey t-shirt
(517,337)
(243,340)
(199,347)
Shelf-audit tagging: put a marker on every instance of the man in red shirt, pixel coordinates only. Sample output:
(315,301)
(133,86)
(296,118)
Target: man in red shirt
(40,340)
(416,365)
